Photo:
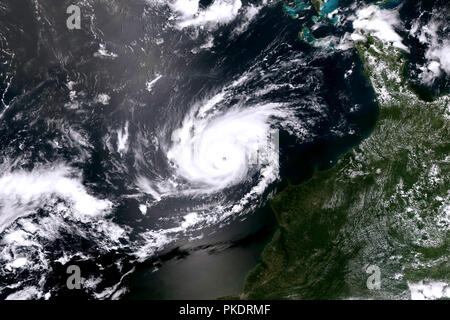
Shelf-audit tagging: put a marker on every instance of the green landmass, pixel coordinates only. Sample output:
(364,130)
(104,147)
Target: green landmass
(385,203)
(317,4)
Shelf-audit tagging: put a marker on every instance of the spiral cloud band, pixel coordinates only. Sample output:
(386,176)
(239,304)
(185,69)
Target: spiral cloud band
(217,151)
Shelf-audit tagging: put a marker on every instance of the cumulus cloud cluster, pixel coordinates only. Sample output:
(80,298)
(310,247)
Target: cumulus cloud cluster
(379,23)
(438,51)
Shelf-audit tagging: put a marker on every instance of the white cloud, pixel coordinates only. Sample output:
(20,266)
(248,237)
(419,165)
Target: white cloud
(429,291)
(219,12)
(378,23)
(438,51)
(151,83)
(122,139)
(23,192)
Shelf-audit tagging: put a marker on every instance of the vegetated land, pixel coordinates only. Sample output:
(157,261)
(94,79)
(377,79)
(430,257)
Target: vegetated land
(385,203)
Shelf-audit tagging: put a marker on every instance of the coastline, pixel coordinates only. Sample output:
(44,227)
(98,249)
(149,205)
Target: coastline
(327,238)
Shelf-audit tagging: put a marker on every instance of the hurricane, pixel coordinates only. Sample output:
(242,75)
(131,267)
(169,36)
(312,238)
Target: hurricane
(216,152)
